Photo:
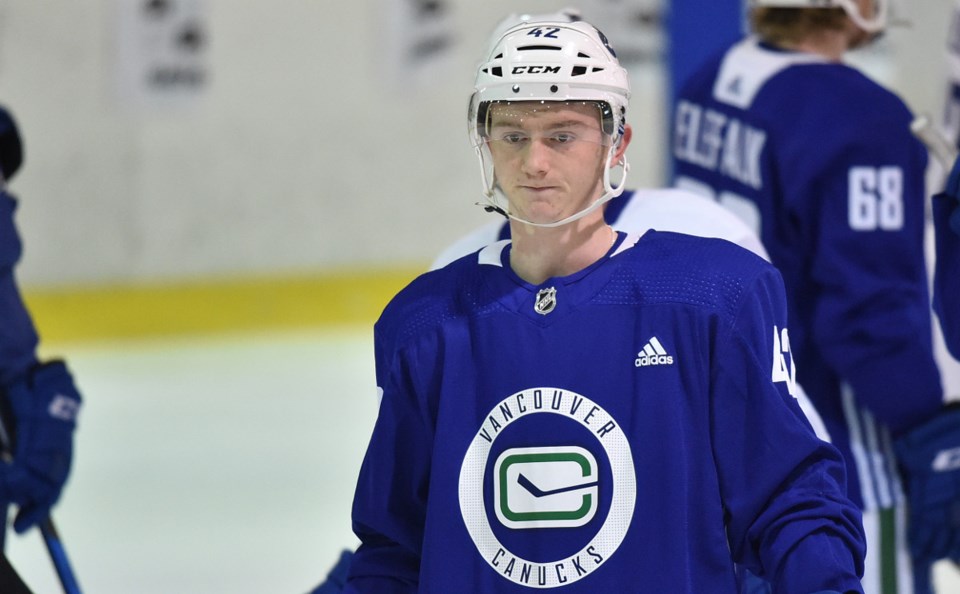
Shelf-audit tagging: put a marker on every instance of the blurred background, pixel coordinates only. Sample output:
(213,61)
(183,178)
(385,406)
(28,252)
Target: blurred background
(218,198)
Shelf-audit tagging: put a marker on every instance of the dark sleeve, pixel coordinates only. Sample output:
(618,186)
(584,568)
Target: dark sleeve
(789,519)
(389,508)
(18,337)
(946,280)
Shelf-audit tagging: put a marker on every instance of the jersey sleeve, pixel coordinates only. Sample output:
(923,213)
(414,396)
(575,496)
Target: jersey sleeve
(789,519)
(946,280)
(858,202)
(389,508)
(18,336)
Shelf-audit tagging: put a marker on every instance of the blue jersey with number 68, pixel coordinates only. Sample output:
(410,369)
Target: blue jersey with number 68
(820,160)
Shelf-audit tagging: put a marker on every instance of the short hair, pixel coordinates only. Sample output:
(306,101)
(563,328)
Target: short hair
(791,25)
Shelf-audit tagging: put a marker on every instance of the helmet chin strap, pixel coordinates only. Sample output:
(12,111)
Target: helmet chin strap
(609,192)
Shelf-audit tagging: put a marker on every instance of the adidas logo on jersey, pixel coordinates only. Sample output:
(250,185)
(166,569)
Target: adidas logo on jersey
(653,353)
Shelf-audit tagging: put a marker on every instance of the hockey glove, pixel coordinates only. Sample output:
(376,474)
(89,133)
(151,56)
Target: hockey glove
(953,191)
(45,405)
(929,456)
(337,578)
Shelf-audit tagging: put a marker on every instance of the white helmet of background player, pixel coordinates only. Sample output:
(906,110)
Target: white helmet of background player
(551,61)
(873,24)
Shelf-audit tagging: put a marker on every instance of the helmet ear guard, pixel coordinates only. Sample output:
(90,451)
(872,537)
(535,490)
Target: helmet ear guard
(551,62)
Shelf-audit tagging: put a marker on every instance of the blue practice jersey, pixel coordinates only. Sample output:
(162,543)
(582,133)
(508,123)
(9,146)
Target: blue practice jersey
(821,161)
(629,428)
(18,338)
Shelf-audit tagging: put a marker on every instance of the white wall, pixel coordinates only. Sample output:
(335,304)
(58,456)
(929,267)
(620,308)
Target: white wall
(301,154)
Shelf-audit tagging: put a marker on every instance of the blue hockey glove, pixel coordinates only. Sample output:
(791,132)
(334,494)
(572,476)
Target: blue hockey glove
(929,456)
(45,405)
(337,578)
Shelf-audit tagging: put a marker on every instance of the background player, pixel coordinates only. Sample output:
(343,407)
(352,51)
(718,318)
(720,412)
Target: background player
(484,467)
(821,161)
(39,402)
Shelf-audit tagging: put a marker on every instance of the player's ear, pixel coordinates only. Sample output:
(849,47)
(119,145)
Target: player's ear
(624,143)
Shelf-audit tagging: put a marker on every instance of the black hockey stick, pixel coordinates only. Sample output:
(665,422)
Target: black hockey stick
(537,492)
(10,582)
(51,538)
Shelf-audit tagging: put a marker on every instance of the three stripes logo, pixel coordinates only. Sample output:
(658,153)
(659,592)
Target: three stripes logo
(653,353)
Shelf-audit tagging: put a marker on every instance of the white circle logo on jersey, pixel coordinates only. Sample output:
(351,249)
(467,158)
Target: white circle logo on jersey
(547,488)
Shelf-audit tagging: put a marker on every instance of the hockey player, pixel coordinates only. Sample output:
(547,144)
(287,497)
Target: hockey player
(821,161)
(634,211)
(568,409)
(38,401)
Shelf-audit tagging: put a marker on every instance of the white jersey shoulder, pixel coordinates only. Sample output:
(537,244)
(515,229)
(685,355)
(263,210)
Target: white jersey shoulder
(667,209)
(469,243)
(747,67)
(682,211)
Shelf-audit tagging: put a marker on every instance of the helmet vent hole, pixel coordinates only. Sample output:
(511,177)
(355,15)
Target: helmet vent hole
(496,71)
(538,47)
(579,70)
(554,88)
(582,55)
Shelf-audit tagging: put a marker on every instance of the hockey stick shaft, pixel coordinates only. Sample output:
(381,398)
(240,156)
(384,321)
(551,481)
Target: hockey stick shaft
(51,538)
(58,554)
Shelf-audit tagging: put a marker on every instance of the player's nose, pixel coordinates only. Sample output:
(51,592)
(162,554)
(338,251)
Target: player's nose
(536,158)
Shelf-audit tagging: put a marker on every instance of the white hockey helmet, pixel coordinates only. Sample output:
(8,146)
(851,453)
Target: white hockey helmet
(564,15)
(874,24)
(551,61)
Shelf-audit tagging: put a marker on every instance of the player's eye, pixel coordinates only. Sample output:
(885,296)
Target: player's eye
(563,137)
(513,138)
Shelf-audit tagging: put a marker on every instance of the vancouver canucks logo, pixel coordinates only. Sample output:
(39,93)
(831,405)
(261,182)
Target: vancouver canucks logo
(545,487)
(545,515)
(546,301)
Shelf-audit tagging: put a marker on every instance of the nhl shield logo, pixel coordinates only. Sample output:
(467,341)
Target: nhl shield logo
(546,301)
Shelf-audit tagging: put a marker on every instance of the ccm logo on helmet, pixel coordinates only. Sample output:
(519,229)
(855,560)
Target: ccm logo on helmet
(536,70)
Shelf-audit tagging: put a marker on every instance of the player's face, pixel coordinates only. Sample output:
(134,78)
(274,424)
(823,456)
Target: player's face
(548,157)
